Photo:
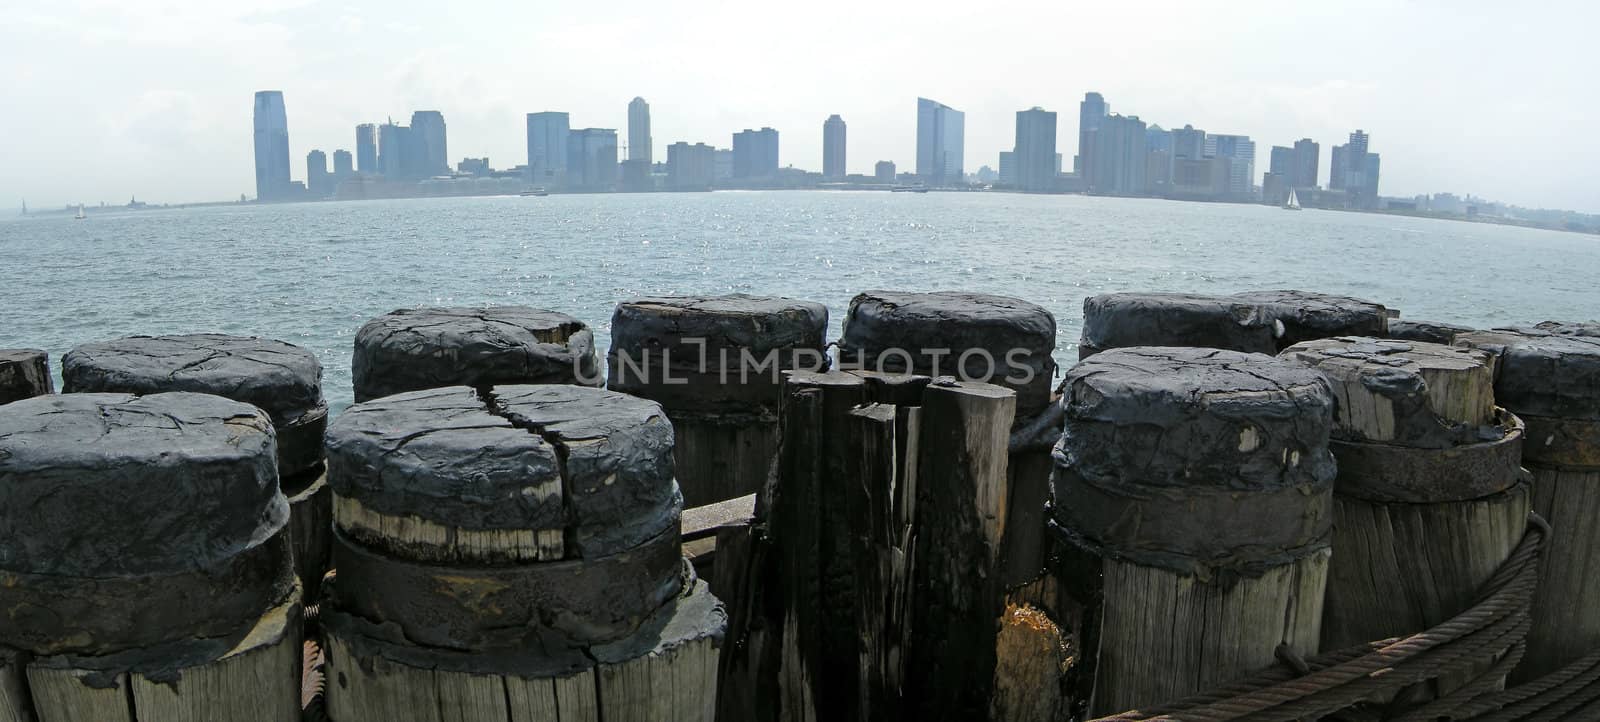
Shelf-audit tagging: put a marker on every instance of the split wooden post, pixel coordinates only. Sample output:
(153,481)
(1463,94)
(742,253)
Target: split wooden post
(1549,376)
(280,378)
(147,574)
(1202,481)
(1257,322)
(512,553)
(983,338)
(424,348)
(24,374)
(714,364)
(1430,497)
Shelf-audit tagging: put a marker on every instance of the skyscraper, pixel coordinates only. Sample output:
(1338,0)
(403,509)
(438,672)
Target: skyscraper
(833,147)
(1188,142)
(1303,173)
(691,167)
(317,178)
(367,148)
(1275,183)
(272,146)
(427,132)
(941,142)
(639,131)
(1007,175)
(1355,171)
(395,149)
(548,134)
(755,153)
(592,159)
(1091,111)
(1240,153)
(342,165)
(1116,162)
(1034,152)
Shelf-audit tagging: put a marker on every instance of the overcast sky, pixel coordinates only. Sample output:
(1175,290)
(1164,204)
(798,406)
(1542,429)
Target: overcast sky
(105,99)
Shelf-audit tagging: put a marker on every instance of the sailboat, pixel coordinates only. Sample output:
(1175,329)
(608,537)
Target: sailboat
(1293,204)
(80,215)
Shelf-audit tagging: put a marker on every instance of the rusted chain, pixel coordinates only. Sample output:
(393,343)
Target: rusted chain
(1495,623)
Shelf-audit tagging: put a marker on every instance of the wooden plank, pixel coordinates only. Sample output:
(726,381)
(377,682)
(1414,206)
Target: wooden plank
(377,689)
(1165,636)
(257,681)
(868,489)
(703,521)
(430,541)
(960,523)
(61,695)
(672,685)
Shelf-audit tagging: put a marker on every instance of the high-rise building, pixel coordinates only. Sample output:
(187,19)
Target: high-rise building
(941,142)
(755,153)
(548,134)
(367,148)
(1275,182)
(639,131)
(883,171)
(592,159)
(1188,142)
(1240,153)
(318,182)
(724,164)
(1116,162)
(1303,173)
(1091,111)
(1008,168)
(395,150)
(1035,150)
(691,167)
(1158,144)
(427,132)
(1354,170)
(272,146)
(474,166)
(342,165)
(833,147)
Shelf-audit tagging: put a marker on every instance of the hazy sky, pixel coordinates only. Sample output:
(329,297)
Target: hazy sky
(104,99)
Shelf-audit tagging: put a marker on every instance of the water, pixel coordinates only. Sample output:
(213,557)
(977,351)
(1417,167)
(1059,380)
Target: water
(311,274)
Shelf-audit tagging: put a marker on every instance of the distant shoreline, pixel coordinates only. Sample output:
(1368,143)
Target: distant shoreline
(1490,220)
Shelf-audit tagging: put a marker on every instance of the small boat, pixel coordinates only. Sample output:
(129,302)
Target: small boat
(912,188)
(1293,204)
(538,192)
(80,215)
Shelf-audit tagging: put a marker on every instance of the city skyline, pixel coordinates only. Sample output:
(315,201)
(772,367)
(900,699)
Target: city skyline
(162,121)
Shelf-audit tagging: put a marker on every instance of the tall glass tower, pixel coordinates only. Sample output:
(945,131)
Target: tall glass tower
(941,142)
(272,146)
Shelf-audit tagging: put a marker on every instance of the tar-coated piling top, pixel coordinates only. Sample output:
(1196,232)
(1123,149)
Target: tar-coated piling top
(413,349)
(1004,340)
(1427,331)
(113,484)
(734,321)
(1404,392)
(594,464)
(1307,315)
(1549,370)
(1195,459)
(280,378)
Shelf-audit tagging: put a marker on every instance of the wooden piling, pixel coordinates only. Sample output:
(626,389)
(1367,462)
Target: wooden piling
(282,379)
(714,364)
(147,573)
(988,339)
(1430,497)
(24,374)
(512,553)
(1201,481)
(1549,376)
(1254,322)
(425,348)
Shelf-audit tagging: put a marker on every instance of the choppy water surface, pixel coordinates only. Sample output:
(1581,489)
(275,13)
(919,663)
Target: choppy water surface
(311,274)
